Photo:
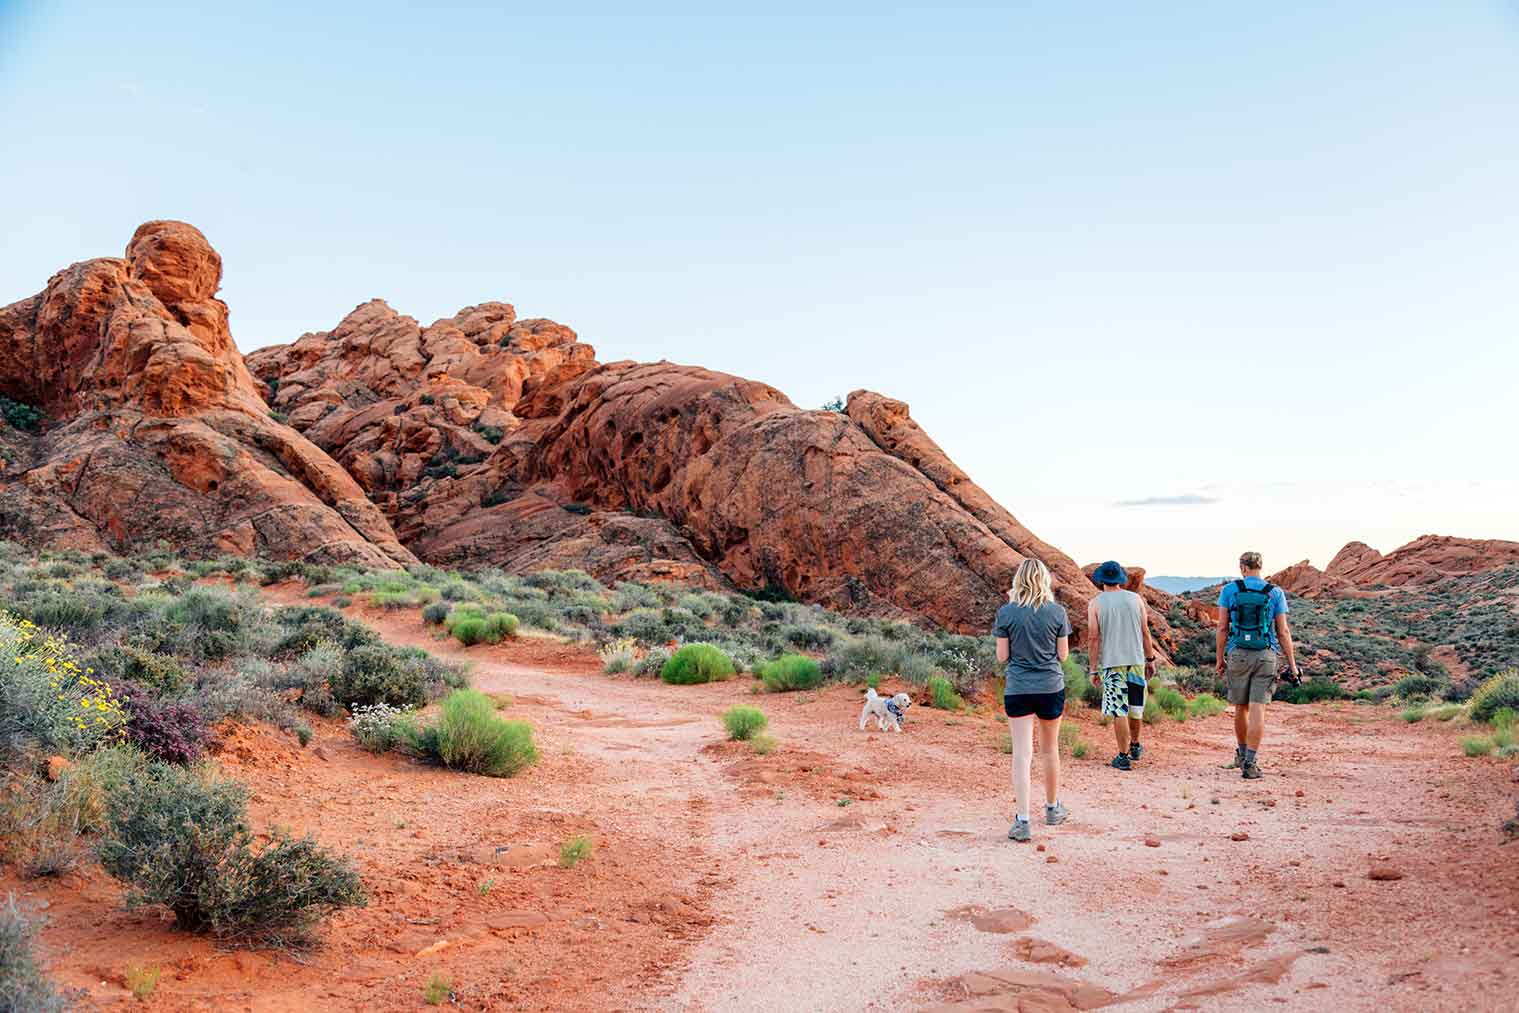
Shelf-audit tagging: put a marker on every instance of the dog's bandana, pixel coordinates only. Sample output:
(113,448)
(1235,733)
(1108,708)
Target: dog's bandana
(896,711)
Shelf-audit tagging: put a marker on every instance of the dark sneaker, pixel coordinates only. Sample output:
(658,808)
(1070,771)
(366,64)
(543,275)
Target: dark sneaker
(1237,762)
(1055,814)
(1122,762)
(1136,751)
(1250,771)
(1019,831)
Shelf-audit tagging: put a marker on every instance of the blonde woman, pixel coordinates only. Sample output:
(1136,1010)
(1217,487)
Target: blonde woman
(1033,637)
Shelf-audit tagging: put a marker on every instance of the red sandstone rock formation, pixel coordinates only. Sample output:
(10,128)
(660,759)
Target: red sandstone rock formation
(1429,559)
(155,430)
(1352,557)
(520,451)
(1308,581)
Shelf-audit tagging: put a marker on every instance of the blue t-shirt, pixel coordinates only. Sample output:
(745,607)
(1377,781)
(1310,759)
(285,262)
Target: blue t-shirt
(1033,659)
(1278,600)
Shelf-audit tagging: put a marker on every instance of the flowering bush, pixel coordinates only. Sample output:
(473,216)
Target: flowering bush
(378,727)
(172,732)
(619,655)
(46,695)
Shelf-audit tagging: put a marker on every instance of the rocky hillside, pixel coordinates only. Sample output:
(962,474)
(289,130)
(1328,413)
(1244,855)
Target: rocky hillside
(480,439)
(132,420)
(1358,570)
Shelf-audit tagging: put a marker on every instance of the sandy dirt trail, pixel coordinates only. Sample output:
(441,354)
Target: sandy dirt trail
(855,870)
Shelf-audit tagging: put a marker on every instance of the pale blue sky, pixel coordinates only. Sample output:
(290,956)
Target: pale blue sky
(1108,252)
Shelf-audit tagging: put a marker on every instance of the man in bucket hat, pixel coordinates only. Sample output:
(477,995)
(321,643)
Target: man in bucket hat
(1121,657)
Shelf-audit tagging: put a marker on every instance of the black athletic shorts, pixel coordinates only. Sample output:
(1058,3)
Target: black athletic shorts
(1044,706)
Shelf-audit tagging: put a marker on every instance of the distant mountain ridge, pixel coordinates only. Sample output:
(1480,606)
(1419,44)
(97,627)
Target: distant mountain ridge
(1182,585)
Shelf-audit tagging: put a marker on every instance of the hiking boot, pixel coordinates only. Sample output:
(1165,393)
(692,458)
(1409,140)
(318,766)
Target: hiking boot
(1019,831)
(1238,761)
(1136,751)
(1250,771)
(1122,762)
(1055,814)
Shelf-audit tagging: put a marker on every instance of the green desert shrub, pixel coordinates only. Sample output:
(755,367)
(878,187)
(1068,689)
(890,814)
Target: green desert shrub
(1502,690)
(1413,715)
(180,838)
(74,614)
(1206,705)
(564,580)
(500,626)
(695,663)
(300,627)
(855,658)
(918,669)
(1170,700)
(808,636)
(398,676)
(942,695)
(212,624)
(1476,745)
(162,672)
(1197,679)
(469,630)
(628,596)
(743,723)
(1076,679)
(1445,712)
(468,735)
(1419,685)
(1504,717)
(789,672)
(574,851)
(24,988)
(1311,691)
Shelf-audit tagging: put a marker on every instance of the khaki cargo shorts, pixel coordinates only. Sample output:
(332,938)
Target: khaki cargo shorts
(1250,676)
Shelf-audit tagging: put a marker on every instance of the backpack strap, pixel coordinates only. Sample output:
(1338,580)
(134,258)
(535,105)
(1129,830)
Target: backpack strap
(1240,584)
(1268,589)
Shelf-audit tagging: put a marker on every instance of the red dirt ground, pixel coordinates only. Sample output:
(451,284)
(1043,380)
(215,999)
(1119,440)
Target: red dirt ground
(852,870)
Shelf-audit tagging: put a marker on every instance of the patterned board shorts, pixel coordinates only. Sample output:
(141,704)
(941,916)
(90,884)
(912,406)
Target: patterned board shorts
(1123,691)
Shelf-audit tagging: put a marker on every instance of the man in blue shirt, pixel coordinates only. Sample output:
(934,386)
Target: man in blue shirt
(1253,638)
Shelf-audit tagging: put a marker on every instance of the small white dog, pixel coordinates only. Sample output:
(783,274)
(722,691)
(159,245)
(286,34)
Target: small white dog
(888,711)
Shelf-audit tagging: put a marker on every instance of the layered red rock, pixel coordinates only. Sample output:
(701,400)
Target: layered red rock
(155,431)
(1358,569)
(1305,579)
(1429,559)
(479,439)
(1351,558)
(635,470)
(774,494)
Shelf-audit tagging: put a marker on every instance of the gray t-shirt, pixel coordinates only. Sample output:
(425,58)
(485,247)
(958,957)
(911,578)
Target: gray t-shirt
(1032,664)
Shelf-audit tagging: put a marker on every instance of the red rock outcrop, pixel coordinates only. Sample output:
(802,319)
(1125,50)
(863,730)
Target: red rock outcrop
(480,439)
(1358,570)
(1351,558)
(1308,581)
(155,429)
(494,441)
(1429,559)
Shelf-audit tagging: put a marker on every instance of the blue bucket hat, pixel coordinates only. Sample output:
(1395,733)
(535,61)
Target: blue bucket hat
(1110,573)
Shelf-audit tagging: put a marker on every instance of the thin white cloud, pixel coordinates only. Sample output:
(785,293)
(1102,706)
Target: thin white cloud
(1185,499)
